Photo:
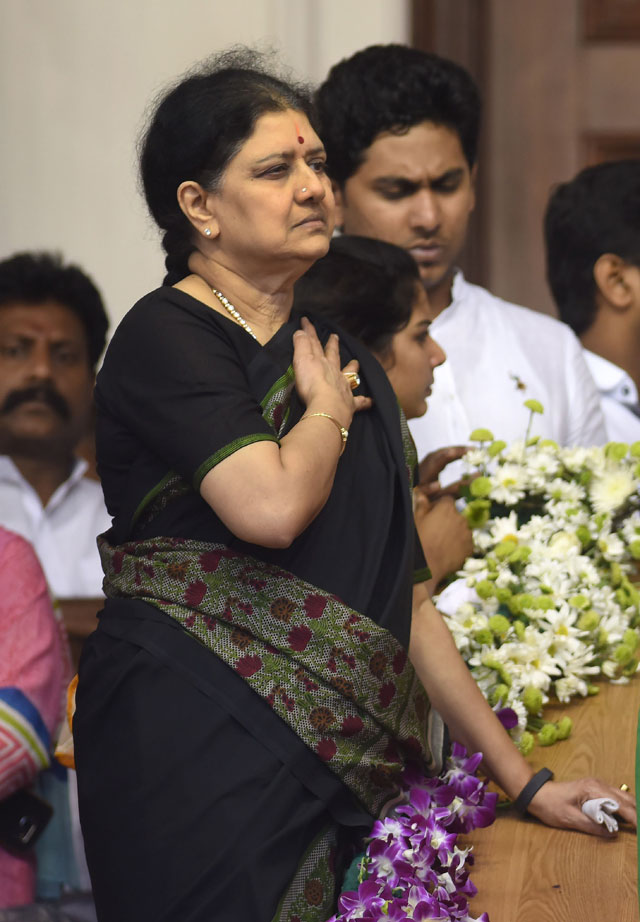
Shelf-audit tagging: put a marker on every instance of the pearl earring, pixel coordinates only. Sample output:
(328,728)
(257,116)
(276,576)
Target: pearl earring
(207,231)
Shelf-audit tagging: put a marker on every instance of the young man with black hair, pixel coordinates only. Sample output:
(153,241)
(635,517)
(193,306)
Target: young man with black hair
(592,239)
(401,131)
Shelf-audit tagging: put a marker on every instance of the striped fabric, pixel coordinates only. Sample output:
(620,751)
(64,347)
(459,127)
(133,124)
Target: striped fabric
(24,741)
(33,673)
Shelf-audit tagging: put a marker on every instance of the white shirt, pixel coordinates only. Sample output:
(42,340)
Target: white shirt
(618,398)
(64,532)
(499,355)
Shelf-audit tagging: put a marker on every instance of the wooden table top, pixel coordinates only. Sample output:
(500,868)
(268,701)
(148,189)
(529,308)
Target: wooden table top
(527,872)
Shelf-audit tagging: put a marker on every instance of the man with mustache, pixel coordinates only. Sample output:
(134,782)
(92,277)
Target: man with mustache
(401,131)
(52,332)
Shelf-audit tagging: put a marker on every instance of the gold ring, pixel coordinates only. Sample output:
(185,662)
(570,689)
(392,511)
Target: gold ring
(624,787)
(353,378)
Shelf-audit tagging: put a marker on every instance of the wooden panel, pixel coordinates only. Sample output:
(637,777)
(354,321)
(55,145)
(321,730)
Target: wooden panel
(609,77)
(423,24)
(603,146)
(530,873)
(533,138)
(459,30)
(611,20)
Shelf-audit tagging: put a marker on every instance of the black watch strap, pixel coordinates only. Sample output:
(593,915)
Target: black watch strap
(531,788)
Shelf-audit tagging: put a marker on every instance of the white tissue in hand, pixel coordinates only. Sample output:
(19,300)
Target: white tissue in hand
(601,810)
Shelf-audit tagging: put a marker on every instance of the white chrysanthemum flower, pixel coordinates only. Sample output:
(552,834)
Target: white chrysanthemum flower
(609,490)
(567,490)
(515,452)
(630,528)
(476,457)
(529,661)
(503,526)
(562,545)
(568,686)
(612,547)
(508,484)
(579,459)
(543,462)
(505,578)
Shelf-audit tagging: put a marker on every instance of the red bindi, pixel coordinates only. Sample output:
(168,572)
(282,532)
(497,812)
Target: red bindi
(300,139)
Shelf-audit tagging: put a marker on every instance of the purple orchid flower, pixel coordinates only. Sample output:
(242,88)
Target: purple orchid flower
(415,870)
(387,862)
(507,717)
(356,904)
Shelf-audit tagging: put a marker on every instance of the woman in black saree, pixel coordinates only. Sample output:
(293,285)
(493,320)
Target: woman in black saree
(247,703)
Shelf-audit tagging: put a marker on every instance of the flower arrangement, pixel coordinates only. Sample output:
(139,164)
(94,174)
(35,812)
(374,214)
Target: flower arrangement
(412,868)
(547,603)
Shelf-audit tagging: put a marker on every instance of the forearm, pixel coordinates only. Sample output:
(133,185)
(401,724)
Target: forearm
(309,457)
(267,493)
(455,695)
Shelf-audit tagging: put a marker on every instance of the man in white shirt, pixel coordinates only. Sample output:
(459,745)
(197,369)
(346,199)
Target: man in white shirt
(52,331)
(592,238)
(401,128)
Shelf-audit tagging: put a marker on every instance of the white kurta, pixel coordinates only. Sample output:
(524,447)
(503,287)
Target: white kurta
(618,398)
(499,355)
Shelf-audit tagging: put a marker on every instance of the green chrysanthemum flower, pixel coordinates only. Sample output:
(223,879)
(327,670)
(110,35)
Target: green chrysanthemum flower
(481,435)
(477,513)
(495,448)
(485,589)
(499,625)
(498,695)
(584,535)
(503,594)
(526,743)
(588,620)
(579,601)
(623,654)
(532,699)
(616,451)
(480,487)
(483,636)
(548,735)
(504,548)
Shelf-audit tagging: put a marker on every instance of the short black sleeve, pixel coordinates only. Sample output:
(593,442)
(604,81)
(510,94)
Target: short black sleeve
(174,377)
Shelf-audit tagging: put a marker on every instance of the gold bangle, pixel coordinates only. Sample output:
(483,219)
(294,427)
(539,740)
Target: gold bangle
(344,433)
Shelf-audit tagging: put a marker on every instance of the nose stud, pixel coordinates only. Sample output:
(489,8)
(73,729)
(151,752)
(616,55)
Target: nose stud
(304,190)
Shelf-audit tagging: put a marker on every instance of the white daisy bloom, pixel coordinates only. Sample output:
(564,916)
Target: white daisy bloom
(609,490)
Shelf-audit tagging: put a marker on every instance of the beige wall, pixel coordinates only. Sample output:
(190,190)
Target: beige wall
(75,77)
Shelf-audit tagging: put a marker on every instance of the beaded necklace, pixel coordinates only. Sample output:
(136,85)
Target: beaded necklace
(228,306)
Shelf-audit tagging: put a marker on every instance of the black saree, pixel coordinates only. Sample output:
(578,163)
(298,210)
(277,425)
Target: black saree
(201,796)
